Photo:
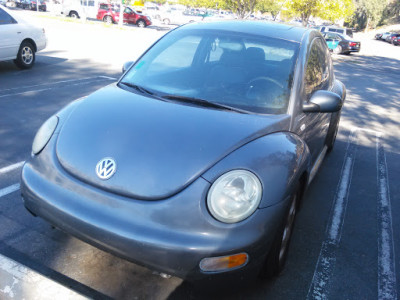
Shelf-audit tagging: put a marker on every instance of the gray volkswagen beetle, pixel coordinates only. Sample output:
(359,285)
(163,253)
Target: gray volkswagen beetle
(194,163)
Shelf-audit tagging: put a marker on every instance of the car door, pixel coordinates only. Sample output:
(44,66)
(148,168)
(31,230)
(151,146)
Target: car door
(129,16)
(330,40)
(10,36)
(318,75)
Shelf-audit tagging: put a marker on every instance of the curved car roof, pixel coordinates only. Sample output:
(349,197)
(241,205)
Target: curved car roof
(275,30)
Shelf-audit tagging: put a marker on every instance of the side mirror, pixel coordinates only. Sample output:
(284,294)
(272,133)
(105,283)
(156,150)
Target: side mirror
(323,101)
(127,65)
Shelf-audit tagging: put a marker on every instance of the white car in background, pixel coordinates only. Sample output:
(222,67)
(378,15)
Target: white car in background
(19,40)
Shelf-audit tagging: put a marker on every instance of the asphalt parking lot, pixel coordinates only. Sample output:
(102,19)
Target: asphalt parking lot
(347,234)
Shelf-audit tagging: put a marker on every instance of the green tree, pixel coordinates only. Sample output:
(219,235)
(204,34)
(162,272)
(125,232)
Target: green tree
(304,9)
(368,13)
(243,8)
(332,10)
(274,7)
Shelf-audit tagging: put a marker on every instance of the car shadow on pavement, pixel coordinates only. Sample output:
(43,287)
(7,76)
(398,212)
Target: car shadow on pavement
(7,66)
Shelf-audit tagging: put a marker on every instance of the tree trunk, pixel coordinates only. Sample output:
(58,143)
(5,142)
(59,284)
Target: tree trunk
(366,27)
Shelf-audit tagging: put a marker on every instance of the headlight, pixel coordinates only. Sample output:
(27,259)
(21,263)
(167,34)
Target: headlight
(44,134)
(234,196)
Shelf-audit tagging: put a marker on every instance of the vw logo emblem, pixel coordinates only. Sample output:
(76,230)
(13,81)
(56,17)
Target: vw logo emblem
(106,168)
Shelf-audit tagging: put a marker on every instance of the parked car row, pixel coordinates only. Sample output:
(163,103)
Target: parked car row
(31,4)
(390,37)
(110,14)
(340,43)
(103,11)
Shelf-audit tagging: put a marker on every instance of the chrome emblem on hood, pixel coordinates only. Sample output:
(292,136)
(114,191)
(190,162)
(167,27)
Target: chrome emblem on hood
(106,168)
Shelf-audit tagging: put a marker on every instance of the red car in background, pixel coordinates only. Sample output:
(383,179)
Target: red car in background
(110,14)
(396,41)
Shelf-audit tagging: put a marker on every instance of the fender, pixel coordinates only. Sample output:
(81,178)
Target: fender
(278,159)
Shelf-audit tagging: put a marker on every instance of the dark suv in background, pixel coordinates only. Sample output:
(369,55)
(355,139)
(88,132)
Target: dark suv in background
(340,30)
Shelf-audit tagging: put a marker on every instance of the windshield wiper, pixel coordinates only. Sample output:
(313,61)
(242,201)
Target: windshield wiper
(138,88)
(203,102)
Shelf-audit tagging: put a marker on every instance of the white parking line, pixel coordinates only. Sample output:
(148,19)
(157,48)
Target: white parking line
(327,257)
(11,167)
(108,77)
(386,257)
(19,282)
(8,190)
(58,82)
(53,85)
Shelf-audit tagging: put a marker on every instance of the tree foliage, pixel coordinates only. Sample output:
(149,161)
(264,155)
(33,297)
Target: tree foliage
(331,10)
(243,8)
(368,13)
(303,9)
(273,7)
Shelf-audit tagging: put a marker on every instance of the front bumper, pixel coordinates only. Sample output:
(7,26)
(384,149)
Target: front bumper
(171,236)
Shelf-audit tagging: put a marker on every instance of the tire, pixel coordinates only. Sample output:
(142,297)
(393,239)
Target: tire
(166,21)
(332,131)
(74,15)
(277,256)
(338,49)
(141,23)
(26,56)
(108,20)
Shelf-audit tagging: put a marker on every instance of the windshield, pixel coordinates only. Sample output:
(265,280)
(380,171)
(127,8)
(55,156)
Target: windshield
(251,73)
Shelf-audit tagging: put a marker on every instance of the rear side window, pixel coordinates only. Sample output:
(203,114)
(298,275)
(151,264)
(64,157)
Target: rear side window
(5,18)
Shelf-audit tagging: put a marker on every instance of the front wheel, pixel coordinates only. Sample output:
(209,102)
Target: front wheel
(276,258)
(26,56)
(108,20)
(141,23)
(166,21)
(74,15)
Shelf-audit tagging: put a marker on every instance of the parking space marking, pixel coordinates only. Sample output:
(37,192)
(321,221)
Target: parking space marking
(386,255)
(8,190)
(108,77)
(56,82)
(20,282)
(327,257)
(11,167)
(53,86)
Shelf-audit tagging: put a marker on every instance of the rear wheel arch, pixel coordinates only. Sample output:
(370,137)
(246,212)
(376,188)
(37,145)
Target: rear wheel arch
(32,42)
(74,14)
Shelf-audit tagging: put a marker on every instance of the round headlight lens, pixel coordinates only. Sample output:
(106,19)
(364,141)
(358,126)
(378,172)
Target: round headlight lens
(234,196)
(44,134)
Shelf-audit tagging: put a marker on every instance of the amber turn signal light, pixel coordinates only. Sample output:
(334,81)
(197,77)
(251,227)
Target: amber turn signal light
(223,263)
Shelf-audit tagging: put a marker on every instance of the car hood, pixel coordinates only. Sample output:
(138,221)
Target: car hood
(159,147)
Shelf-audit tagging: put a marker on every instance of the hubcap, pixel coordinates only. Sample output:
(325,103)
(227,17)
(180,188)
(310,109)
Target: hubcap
(27,55)
(287,232)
